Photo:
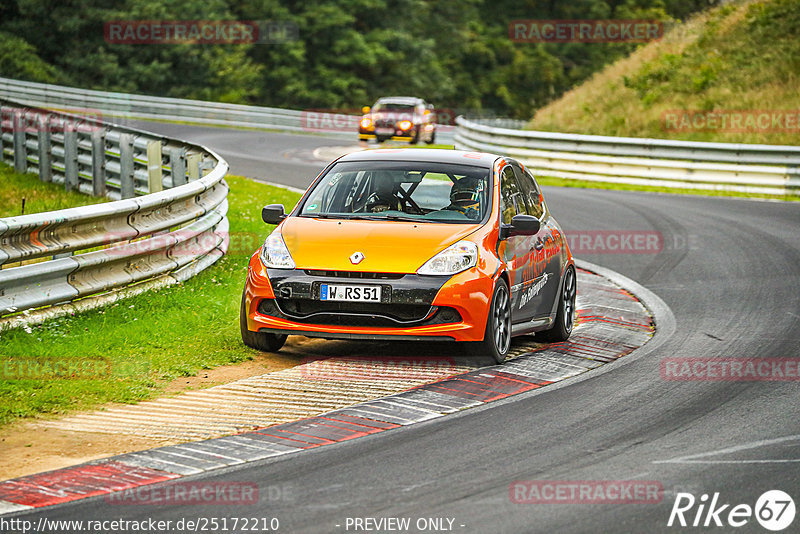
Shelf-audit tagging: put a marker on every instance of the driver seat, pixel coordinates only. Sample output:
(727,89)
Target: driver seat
(383,195)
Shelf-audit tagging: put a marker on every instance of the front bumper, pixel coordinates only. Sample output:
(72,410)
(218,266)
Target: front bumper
(366,136)
(413,307)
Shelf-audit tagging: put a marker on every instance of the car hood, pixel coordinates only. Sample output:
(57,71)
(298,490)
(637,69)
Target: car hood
(387,246)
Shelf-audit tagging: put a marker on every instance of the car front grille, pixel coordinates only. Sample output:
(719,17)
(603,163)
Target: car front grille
(398,313)
(355,275)
(384,123)
(365,314)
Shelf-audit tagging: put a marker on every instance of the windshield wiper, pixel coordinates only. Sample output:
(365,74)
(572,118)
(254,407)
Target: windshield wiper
(388,218)
(322,216)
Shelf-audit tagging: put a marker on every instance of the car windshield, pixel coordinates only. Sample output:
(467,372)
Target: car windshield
(392,106)
(414,191)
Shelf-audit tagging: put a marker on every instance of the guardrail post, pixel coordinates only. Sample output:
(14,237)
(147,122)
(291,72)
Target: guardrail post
(70,157)
(2,150)
(154,176)
(126,166)
(98,162)
(193,166)
(45,161)
(792,186)
(177,162)
(20,151)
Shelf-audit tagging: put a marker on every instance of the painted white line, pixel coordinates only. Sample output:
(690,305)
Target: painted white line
(152,461)
(9,507)
(695,458)
(176,450)
(215,455)
(330,153)
(424,410)
(727,461)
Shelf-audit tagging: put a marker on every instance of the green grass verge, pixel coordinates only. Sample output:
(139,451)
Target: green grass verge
(148,339)
(38,196)
(587,184)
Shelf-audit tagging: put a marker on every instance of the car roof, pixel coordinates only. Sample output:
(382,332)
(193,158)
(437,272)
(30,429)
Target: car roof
(439,155)
(400,100)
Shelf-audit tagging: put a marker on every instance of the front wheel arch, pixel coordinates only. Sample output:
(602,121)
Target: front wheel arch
(497,333)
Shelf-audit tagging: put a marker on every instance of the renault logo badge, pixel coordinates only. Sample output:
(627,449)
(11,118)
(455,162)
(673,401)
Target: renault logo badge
(356,258)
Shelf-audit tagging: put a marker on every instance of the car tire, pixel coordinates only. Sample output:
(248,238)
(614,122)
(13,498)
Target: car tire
(497,337)
(258,340)
(415,139)
(565,317)
(432,138)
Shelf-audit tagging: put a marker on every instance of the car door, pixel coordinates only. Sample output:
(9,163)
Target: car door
(518,249)
(545,255)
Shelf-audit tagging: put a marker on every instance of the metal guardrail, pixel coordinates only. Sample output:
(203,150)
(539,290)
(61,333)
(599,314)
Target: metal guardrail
(152,107)
(132,106)
(767,169)
(177,225)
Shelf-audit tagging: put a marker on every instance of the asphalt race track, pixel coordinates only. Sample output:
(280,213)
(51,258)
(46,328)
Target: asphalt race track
(730,271)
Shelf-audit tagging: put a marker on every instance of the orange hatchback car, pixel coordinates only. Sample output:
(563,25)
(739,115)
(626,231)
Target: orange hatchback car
(412,244)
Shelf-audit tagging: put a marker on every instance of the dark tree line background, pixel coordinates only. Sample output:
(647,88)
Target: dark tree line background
(454,53)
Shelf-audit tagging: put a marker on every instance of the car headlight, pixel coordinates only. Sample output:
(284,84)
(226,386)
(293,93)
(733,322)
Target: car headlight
(404,125)
(366,123)
(454,259)
(274,253)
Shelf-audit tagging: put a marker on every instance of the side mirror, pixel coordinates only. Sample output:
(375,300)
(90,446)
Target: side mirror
(273,214)
(365,110)
(521,225)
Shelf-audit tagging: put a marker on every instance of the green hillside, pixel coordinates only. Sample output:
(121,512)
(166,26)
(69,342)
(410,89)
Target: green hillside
(731,74)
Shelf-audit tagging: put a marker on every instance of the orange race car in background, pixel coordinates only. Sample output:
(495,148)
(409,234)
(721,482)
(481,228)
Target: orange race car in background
(411,244)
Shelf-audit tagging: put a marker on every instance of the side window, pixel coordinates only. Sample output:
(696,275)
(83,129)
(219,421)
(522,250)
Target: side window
(530,192)
(513,202)
(540,206)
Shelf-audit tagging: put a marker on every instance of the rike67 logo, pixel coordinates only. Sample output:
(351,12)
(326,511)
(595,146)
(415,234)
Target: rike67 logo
(774,510)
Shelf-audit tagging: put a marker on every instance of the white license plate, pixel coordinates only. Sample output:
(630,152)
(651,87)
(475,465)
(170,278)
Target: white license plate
(384,131)
(350,293)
